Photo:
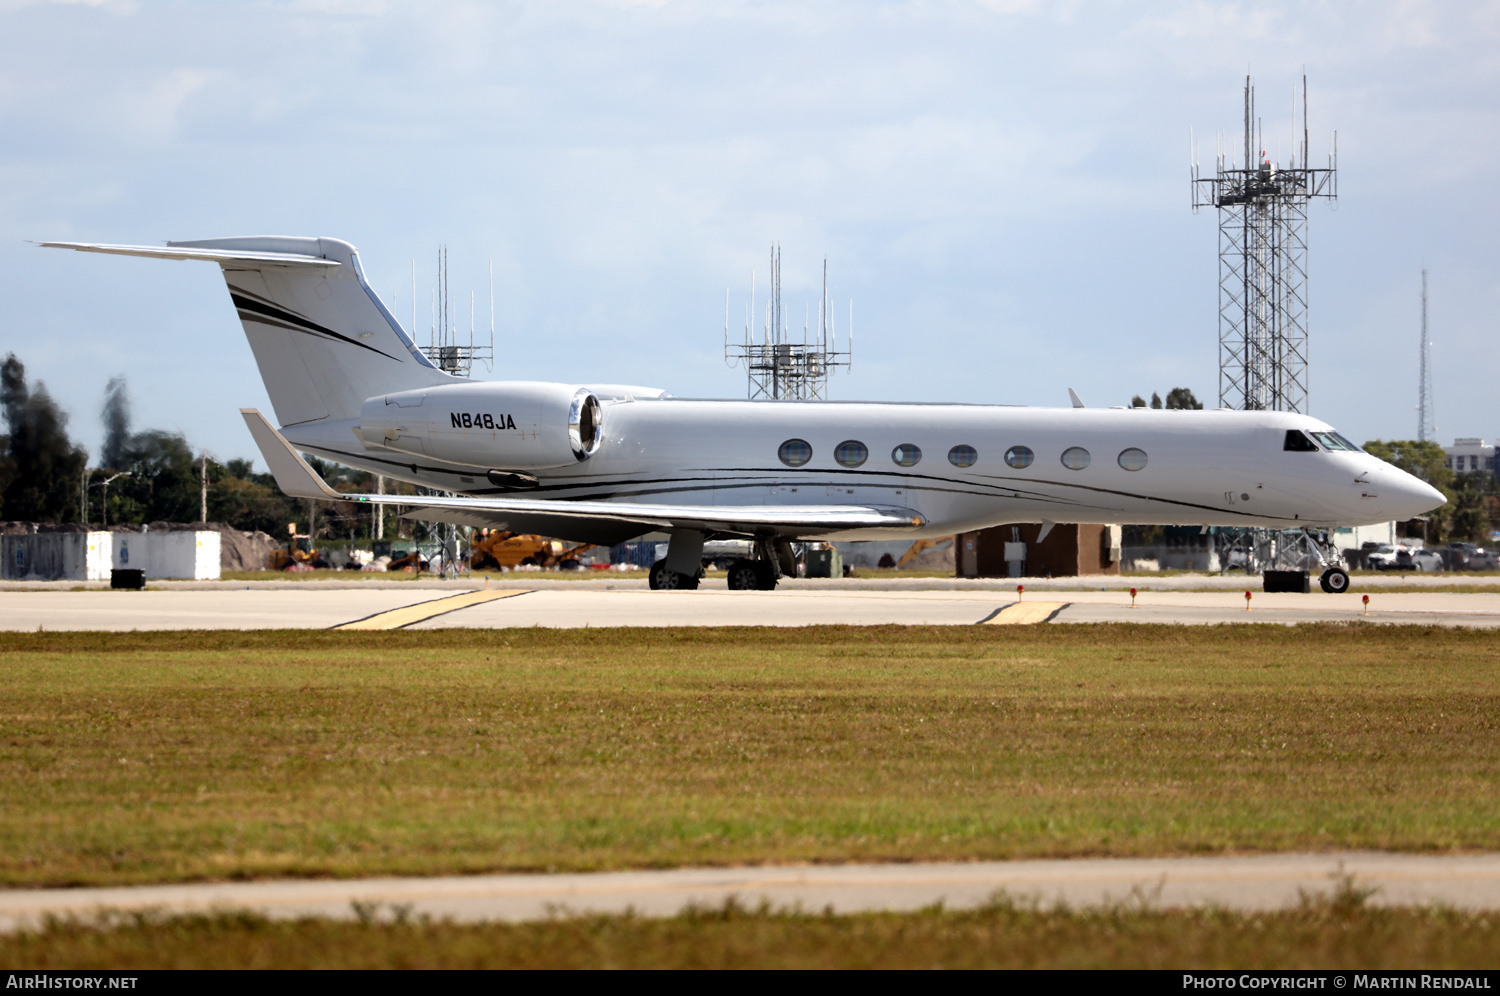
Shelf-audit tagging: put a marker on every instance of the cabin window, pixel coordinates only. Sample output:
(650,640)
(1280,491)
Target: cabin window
(1133,459)
(1075,458)
(1333,442)
(963,456)
(1019,457)
(1297,442)
(907,455)
(851,453)
(795,452)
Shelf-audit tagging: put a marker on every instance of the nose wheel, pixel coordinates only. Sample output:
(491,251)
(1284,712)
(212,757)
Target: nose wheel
(1335,581)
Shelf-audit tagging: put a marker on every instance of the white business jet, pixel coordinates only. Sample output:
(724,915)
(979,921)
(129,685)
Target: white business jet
(605,463)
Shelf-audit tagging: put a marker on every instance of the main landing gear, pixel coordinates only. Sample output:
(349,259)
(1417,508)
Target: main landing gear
(682,568)
(773,559)
(752,575)
(665,580)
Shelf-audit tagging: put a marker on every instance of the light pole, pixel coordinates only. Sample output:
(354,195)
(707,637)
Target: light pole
(105,484)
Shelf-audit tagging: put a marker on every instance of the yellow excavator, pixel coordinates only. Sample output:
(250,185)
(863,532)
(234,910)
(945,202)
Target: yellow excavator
(920,546)
(293,557)
(495,549)
(283,560)
(411,562)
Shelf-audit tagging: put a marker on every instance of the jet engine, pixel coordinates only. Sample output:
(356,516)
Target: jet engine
(514,426)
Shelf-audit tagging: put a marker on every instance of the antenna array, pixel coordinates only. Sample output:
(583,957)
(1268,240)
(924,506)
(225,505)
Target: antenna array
(777,368)
(443,347)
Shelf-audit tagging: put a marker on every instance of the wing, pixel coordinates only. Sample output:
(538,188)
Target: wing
(582,519)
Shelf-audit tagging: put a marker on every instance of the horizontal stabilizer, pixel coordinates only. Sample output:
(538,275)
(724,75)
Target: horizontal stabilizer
(211,255)
(296,478)
(293,474)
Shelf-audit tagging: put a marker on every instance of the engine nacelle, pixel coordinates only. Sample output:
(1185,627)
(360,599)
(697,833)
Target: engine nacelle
(507,426)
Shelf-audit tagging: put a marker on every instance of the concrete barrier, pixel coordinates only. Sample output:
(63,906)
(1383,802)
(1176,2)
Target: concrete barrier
(55,556)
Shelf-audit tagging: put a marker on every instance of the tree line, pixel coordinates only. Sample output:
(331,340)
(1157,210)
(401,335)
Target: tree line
(151,475)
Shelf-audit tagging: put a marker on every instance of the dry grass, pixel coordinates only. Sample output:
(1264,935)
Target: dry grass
(178,756)
(1336,934)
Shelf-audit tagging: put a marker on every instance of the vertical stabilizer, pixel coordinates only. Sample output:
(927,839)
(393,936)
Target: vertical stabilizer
(323,340)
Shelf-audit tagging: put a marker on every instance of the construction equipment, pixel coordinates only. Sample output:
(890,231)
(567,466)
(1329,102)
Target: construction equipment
(920,546)
(296,556)
(283,560)
(497,549)
(408,562)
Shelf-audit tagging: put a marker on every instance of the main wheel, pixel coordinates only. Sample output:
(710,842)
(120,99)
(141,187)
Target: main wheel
(744,576)
(765,572)
(662,579)
(1335,581)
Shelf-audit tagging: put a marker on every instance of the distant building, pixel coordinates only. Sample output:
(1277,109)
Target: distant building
(1471,453)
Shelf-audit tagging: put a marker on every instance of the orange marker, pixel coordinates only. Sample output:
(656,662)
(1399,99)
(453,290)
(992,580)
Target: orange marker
(1020,589)
(1247,601)
(1132,598)
(1366,600)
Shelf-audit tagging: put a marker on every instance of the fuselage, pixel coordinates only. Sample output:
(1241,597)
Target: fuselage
(960,467)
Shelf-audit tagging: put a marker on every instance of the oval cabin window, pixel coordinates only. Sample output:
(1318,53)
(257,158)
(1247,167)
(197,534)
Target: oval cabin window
(851,453)
(906,455)
(795,452)
(963,456)
(1075,458)
(1133,459)
(1019,457)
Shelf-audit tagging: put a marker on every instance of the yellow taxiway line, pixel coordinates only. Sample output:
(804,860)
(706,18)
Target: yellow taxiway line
(422,611)
(1024,613)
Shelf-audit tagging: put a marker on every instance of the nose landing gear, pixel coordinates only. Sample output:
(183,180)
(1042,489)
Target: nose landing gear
(1335,581)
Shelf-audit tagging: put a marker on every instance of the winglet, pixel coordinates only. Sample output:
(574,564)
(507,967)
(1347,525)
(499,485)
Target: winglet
(1077,401)
(293,475)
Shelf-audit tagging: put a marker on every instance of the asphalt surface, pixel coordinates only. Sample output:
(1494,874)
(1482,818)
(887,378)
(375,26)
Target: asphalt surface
(234,605)
(1263,882)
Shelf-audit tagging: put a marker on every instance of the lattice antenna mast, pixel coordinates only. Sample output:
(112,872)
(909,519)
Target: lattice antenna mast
(1425,414)
(1263,205)
(776,367)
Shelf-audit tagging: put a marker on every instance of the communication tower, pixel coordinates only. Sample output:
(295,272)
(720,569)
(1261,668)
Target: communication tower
(1262,205)
(778,368)
(1263,349)
(1425,415)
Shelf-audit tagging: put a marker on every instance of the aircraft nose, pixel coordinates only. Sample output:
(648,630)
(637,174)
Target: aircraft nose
(1409,496)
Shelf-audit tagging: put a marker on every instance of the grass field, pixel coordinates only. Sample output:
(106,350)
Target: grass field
(179,756)
(1335,934)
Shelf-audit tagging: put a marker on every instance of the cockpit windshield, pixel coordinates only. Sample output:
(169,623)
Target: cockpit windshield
(1333,442)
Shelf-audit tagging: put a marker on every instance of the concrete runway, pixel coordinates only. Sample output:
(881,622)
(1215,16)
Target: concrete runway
(1263,882)
(233,605)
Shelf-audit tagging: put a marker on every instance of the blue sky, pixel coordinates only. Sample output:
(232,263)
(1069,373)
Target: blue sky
(1001,188)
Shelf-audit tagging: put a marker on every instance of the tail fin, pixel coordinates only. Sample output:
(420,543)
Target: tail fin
(323,340)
